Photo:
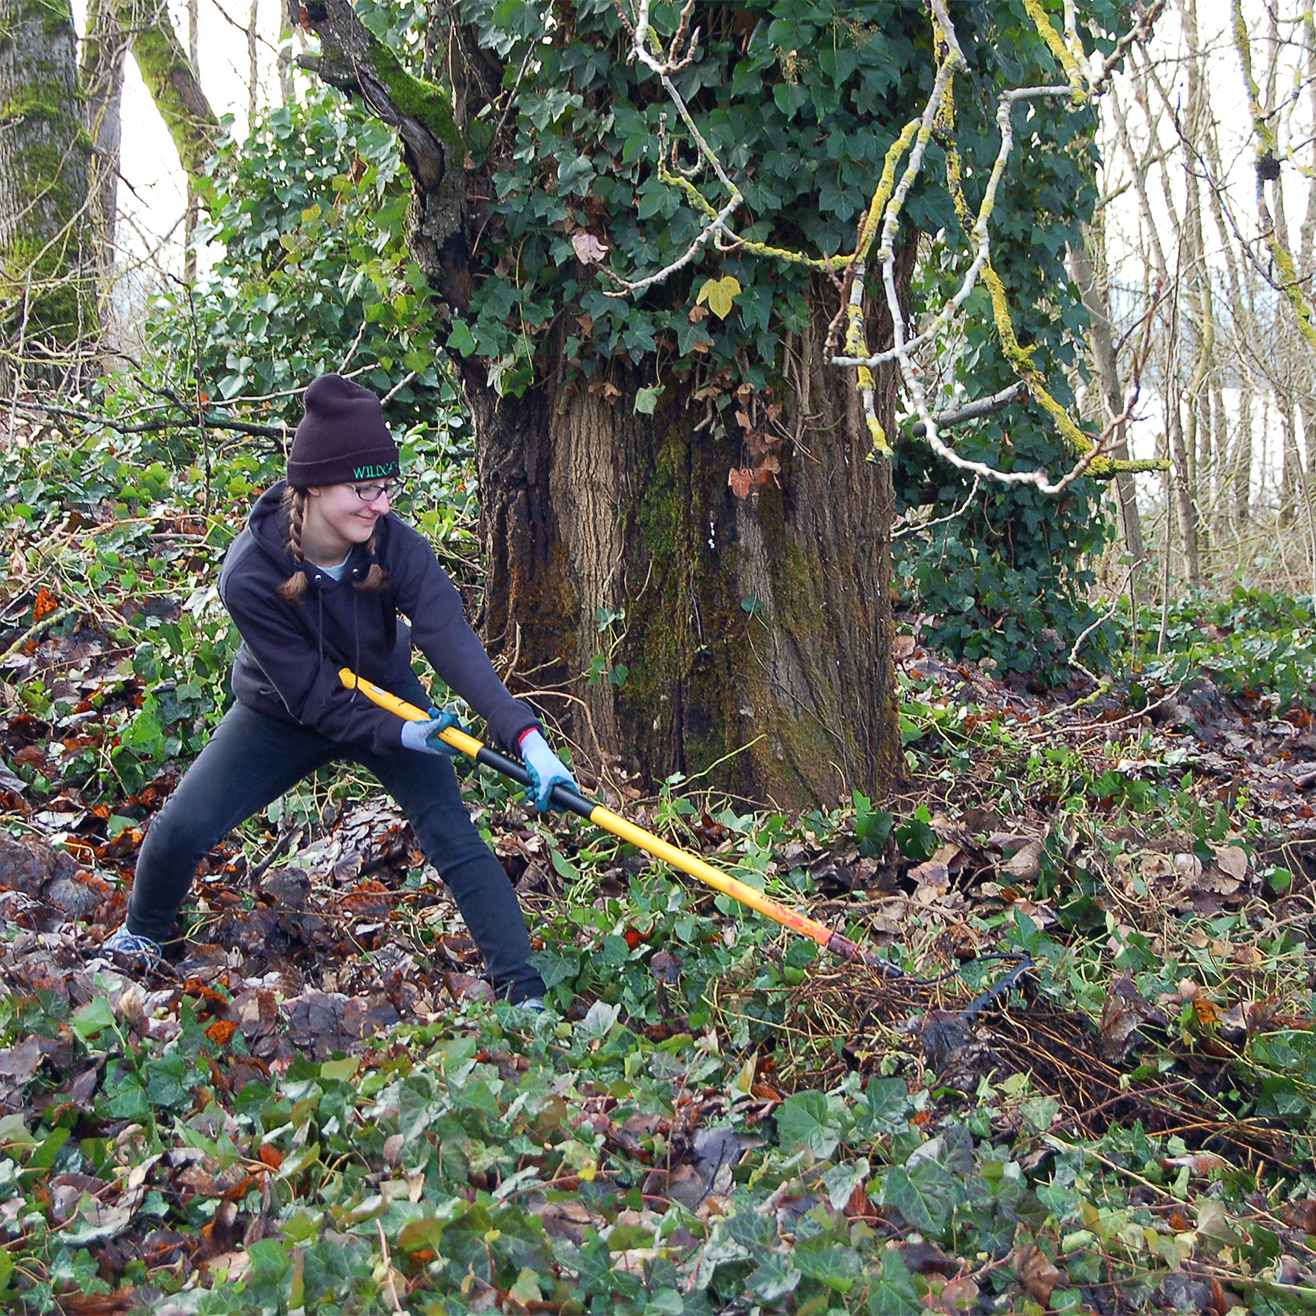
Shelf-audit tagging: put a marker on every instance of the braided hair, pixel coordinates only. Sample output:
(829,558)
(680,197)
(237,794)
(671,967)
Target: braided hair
(295,499)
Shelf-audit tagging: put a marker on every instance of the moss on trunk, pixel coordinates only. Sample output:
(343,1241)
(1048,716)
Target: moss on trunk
(47,294)
(172,82)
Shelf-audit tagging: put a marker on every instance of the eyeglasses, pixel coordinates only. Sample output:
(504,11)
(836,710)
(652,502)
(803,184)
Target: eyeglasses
(369,493)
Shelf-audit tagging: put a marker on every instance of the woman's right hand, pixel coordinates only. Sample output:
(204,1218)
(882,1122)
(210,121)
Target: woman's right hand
(424,736)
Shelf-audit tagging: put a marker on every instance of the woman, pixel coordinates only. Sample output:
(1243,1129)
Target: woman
(315,583)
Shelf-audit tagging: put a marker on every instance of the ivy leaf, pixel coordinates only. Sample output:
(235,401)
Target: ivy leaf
(94,1017)
(821,1258)
(843,1179)
(461,339)
(806,1120)
(598,1021)
(719,294)
(774,1279)
(646,399)
(894,1294)
(888,1105)
(924,1195)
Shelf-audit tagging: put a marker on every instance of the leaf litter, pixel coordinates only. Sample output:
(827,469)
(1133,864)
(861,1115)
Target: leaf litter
(315,1104)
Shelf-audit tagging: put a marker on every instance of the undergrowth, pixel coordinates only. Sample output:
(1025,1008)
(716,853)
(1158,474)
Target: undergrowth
(713,1116)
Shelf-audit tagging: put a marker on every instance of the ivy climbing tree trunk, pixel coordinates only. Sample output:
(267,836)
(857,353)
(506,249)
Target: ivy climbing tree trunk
(653,236)
(47,306)
(666,623)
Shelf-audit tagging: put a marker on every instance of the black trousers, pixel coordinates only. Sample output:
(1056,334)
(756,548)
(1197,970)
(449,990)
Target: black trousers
(252,759)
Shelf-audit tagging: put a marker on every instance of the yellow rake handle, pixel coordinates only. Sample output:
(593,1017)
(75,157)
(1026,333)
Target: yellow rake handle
(566,798)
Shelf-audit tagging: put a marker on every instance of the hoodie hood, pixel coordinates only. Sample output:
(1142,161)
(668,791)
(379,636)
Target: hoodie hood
(268,524)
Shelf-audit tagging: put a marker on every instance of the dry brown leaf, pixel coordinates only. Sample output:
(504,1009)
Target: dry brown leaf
(1025,864)
(741,480)
(1188,867)
(1232,859)
(1036,1272)
(1200,1164)
(931,872)
(953,1297)
(1156,865)
(589,250)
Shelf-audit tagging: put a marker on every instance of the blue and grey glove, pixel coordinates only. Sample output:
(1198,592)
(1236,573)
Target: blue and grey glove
(424,736)
(546,771)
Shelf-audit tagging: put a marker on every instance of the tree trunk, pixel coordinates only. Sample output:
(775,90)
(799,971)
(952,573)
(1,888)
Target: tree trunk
(1105,358)
(1291,478)
(747,641)
(171,80)
(1183,488)
(754,633)
(193,200)
(287,34)
(47,304)
(1241,462)
(1194,258)
(103,50)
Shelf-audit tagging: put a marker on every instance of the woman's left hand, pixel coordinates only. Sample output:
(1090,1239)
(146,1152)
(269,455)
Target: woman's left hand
(546,771)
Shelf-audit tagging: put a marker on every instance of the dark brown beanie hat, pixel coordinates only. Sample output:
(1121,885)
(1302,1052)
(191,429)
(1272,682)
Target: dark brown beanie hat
(342,437)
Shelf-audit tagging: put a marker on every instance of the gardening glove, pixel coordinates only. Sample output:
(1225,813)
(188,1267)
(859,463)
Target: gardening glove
(424,736)
(546,771)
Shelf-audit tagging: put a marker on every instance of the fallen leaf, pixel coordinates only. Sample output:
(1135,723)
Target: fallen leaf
(1200,1164)
(932,872)
(1037,1272)
(1026,862)
(1232,860)
(1214,1224)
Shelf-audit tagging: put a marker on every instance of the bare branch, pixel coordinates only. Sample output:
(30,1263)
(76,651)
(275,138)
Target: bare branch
(1007,397)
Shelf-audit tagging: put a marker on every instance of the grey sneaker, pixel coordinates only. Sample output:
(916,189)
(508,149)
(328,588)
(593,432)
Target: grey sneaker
(140,953)
(535,1004)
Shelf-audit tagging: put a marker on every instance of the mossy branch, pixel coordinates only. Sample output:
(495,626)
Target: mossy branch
(878,233)
(1288,282)
(171,80)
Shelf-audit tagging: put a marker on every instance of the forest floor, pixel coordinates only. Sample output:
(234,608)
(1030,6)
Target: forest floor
(315,1096)
(1091,1087)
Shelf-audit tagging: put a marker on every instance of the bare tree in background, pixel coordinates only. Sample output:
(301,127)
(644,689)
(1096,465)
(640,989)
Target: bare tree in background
(1232,360)
(60,167)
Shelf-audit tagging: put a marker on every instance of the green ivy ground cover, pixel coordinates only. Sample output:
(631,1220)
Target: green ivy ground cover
(308,1114)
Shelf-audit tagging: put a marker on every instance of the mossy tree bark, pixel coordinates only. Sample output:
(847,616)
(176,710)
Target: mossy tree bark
(59,155)
(755,632)
(46,305)
(171,80)
(104,46)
